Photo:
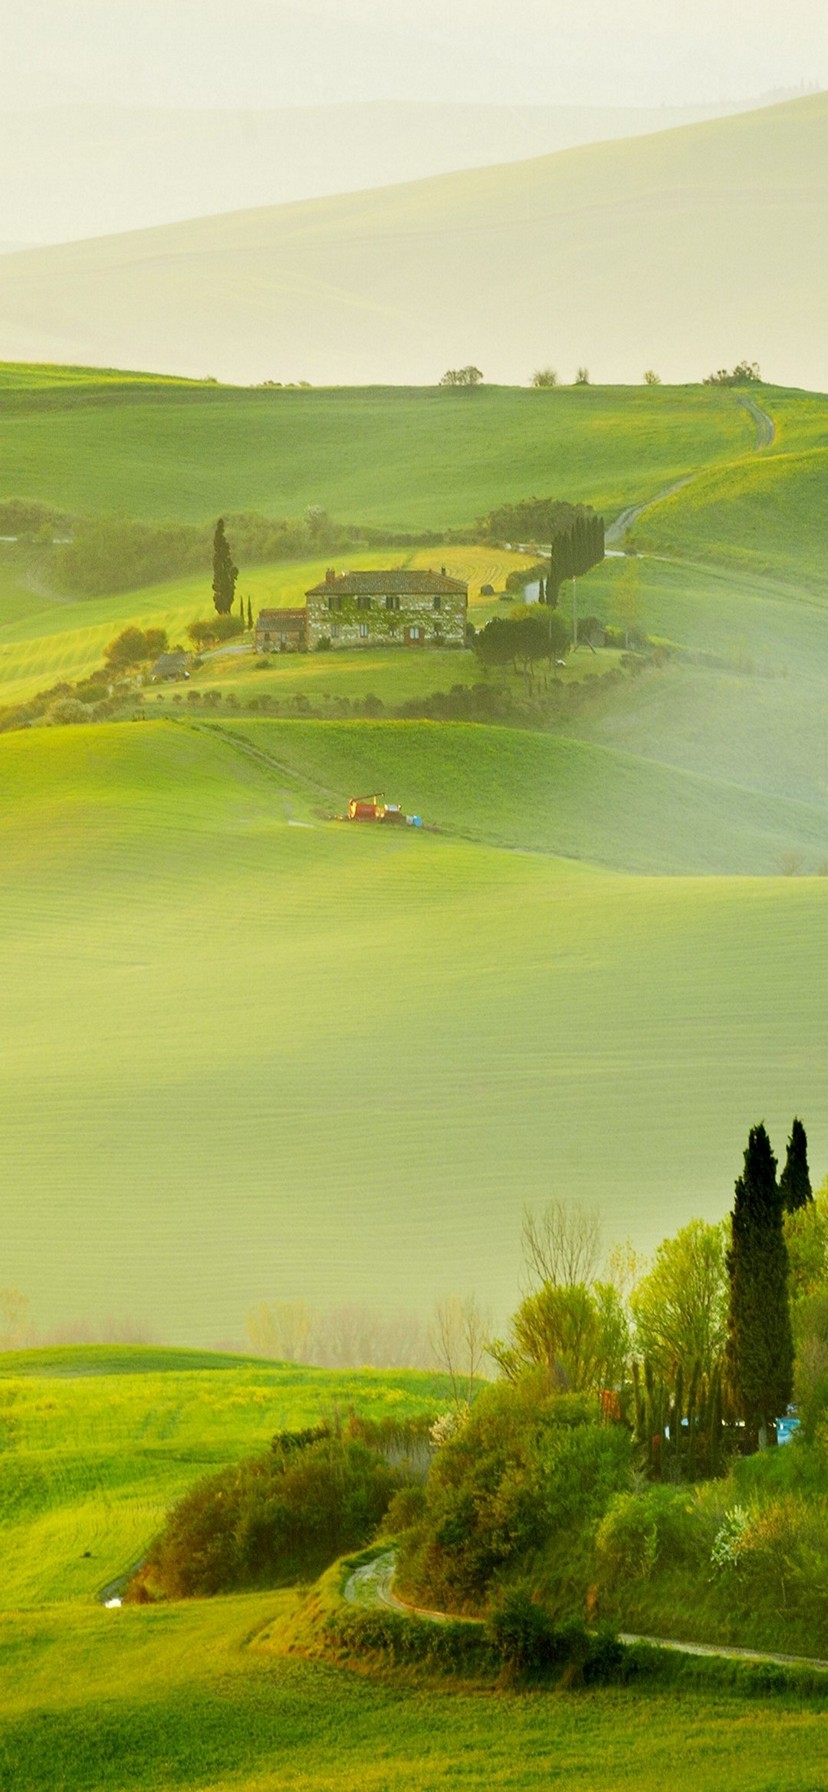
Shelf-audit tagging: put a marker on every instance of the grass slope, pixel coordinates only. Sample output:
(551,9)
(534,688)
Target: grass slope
(682,250)
(181,1697)
(98,1443)
(410,457)
(248,1060)
(543,794)
(762,515)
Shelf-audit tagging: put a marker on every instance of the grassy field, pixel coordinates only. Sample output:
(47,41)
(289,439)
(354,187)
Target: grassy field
(97,1443)
(259,1060)
(180,1697)
(412,458)
(763,516)
(199,1695)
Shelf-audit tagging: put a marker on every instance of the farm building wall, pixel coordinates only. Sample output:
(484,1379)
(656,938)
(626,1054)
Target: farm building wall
(393,619)
(281,631)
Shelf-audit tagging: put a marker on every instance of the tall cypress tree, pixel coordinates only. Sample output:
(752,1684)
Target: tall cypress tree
(225,573)
(759,1340)
(795,1181)
(249,614)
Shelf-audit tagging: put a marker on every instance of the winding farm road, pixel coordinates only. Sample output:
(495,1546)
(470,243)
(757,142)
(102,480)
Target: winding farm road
(619,529)
(373,1584)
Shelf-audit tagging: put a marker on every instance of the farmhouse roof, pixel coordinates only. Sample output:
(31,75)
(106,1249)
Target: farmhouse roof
(402,581)
(171,662)
(267,617)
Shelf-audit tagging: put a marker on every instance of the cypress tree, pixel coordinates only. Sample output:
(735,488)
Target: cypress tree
(249,614)
(759,1340)
(795,1181)
(225,573)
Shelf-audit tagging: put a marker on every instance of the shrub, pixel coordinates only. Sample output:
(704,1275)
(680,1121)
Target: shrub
(521,1631)
(225,628)
(272,1519)
(67,710)
(516,1480)
(627,1541)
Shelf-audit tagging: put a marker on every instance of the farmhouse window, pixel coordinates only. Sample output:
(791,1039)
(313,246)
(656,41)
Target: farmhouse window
(438,603)
(363,630)
(334,630)
(392,602)
(363,603)
(334,602)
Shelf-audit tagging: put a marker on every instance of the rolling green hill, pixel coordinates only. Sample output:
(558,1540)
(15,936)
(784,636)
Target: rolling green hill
(249,1059)
(99,1442)
(414,458)
(234,1029)
(764,515)
(200,1692)
(181,1696)
(679,251)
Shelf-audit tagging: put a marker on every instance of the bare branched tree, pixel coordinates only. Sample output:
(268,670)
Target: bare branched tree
(561,1245)
(625,1266)
(342,1337)
(459,1334)
(15,1328)
(281,1331)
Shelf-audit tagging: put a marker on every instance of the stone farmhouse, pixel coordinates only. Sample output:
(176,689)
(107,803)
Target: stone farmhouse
(399,606)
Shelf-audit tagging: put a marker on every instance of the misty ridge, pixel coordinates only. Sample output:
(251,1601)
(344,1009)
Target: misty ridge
(346,1335)
(75,171)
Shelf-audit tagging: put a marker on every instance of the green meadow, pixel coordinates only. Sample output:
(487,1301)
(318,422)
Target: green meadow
(200,1694)
(250,1053)
(259,1054)
(180,1696)
(407,457)
(97,1443)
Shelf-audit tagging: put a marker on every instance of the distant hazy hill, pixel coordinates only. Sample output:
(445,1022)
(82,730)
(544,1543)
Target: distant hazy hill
(680,251)
(74,171)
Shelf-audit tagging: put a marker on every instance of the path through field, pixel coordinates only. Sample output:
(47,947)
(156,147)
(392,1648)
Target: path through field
(620,528)
(373,1584)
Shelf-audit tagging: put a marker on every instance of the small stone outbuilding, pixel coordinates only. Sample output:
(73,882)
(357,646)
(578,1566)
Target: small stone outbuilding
(281,631)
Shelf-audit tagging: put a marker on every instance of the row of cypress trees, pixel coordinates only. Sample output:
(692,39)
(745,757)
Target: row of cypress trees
(679,1429)
(760,1352)
(575,549)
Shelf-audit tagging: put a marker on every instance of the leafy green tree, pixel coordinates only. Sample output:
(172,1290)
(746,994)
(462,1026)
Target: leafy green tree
(128,649)
(462,376)
(627,603)
(680,1306)
(201,633)
(578,1336)
(545,377)
(651,378)
(759,1340)
(795,1181)
(225,573)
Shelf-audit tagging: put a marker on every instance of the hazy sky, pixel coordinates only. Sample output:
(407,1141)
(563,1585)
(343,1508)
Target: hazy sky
(261,53)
